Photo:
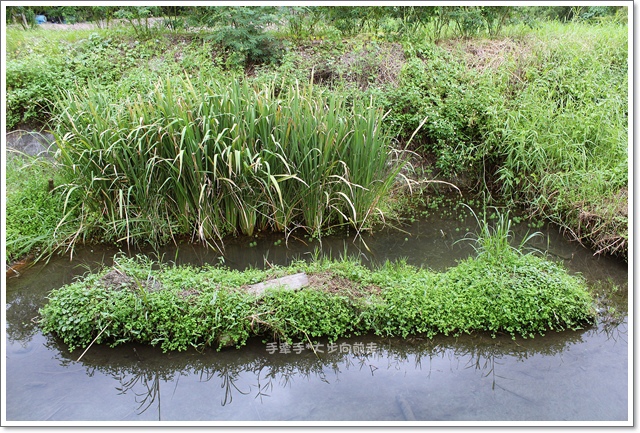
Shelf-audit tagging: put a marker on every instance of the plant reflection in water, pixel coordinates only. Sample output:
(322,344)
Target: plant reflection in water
(151,383)
(251,371)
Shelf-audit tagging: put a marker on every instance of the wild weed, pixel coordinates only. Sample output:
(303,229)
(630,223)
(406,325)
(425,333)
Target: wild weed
(523,295)
(494,240)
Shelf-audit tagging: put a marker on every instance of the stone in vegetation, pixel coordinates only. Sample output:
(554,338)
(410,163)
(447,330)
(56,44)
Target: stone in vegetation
(290,282)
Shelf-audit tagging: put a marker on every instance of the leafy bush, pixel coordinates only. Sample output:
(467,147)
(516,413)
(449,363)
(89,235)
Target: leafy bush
(36,80)
(351,20)
(449,102)
(138,17)
(24,15)
(31,86)
(240,31)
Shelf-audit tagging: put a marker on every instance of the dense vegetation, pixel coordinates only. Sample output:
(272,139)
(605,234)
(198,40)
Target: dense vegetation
(211,158)
(525,105)
(181,307)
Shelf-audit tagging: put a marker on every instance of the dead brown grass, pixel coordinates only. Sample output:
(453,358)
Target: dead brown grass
(363,65)
(335,284)
(605,226)
(488,53)
(117,280)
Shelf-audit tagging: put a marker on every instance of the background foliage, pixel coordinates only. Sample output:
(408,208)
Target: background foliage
(526,105)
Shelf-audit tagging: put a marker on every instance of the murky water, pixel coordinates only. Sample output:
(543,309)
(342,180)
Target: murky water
(568,376)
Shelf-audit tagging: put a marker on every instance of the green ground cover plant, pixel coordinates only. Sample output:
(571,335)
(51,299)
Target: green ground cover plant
(179,307)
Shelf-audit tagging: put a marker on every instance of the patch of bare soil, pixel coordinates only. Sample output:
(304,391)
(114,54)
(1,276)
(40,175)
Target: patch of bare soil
(187,293)
(116,280)
(76,26)
(338,285)
(14,269)
(88,26)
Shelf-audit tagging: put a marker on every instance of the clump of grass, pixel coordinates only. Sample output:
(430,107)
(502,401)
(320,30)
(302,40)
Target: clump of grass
(495,239)
(210,158)
(178,307)
(32,208)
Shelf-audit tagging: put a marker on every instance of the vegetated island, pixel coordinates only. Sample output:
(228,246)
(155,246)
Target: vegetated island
(178,307)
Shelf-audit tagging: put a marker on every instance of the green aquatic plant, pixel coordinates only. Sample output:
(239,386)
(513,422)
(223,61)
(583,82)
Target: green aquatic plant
(494,239)
(178,307)
(210,158)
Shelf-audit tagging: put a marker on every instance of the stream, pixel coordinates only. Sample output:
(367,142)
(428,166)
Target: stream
(571,376)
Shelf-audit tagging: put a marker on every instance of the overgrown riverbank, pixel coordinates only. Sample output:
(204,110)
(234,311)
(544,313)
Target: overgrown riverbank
(180,307)
(535,116)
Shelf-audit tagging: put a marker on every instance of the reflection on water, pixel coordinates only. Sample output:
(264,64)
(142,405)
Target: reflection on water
(563,376)
(580,375)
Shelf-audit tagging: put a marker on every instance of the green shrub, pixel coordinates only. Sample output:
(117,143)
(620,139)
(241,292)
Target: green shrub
(138,18)
(240,31)
(37,79)
(449,102)
(31,86)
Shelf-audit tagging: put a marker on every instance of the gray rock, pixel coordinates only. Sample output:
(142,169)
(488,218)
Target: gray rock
(290,282)
(31,143)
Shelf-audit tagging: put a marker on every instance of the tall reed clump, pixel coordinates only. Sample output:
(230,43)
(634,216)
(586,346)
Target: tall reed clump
(210,158)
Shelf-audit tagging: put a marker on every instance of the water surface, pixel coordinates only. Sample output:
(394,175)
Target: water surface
(569,376)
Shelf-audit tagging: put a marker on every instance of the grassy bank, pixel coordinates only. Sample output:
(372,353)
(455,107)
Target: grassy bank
(563,144)
(531,115)
(33,211)
(179,307)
